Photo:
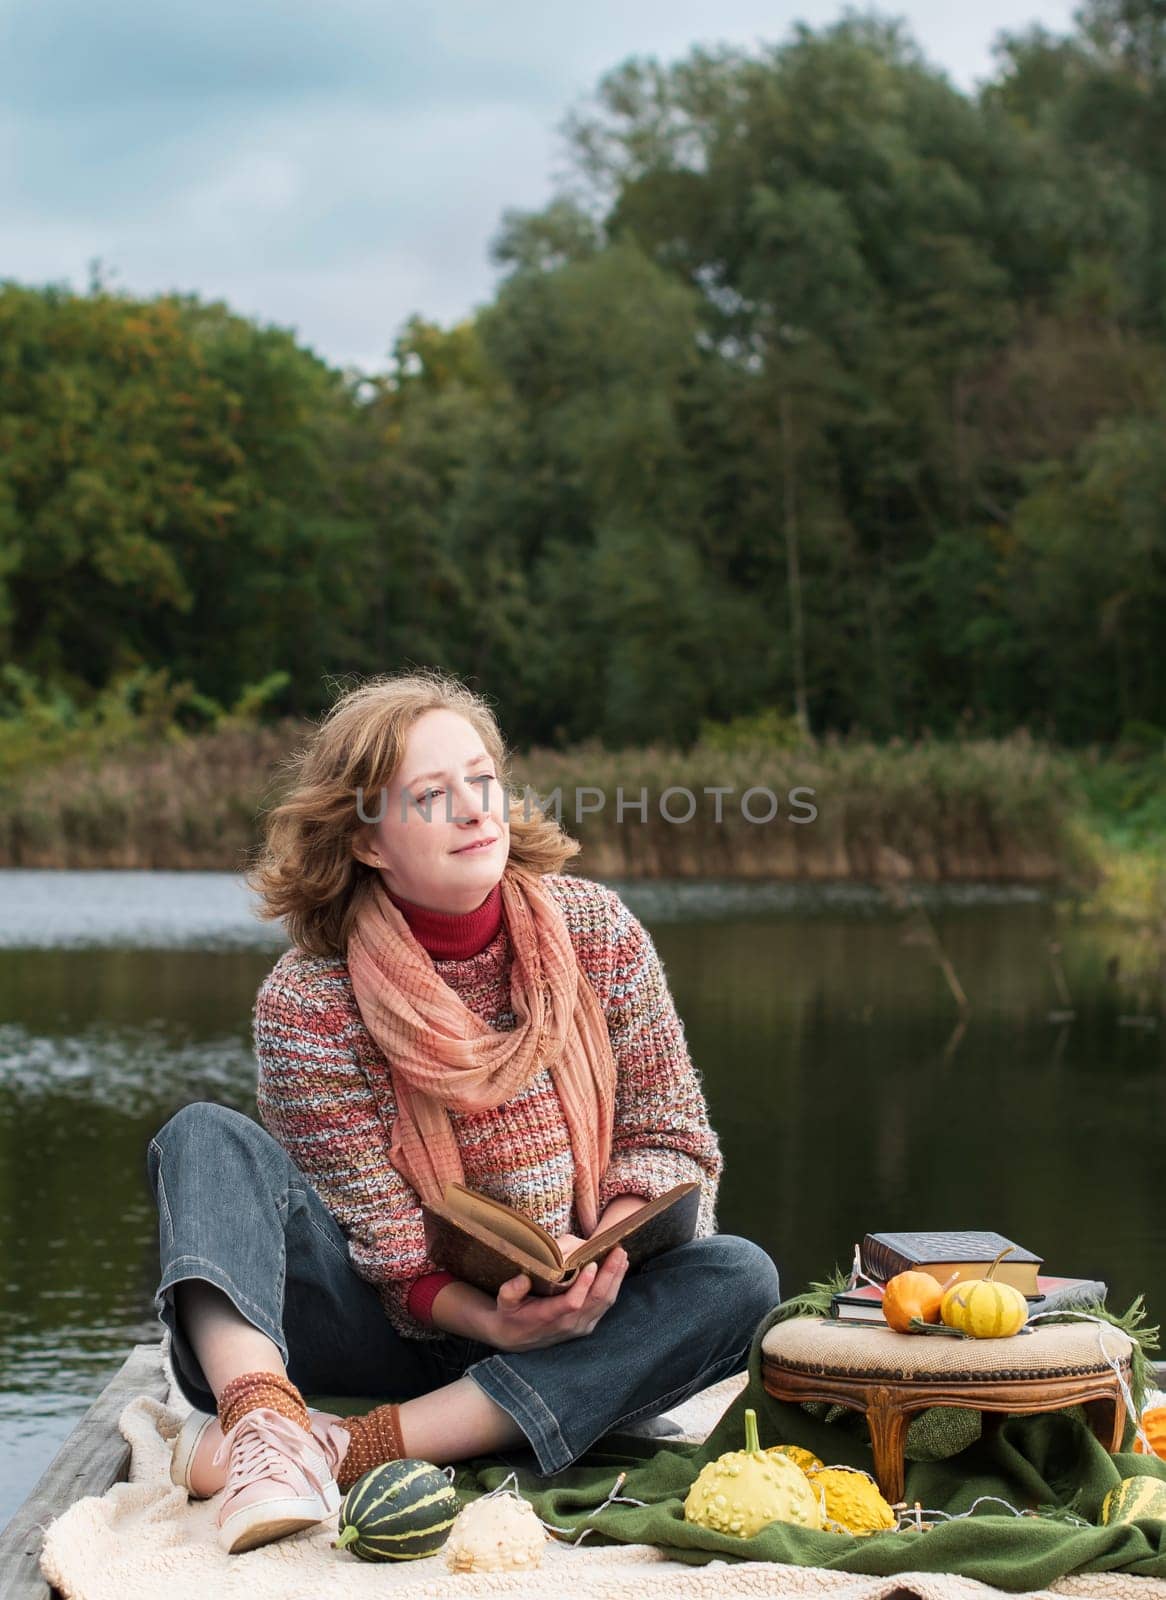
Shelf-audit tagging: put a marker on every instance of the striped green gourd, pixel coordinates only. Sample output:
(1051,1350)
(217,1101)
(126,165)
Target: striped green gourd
(1135,1498)
(984,1309)
(397,1512)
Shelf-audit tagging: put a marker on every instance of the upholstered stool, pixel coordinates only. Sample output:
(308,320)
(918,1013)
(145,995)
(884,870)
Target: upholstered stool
(891,1376)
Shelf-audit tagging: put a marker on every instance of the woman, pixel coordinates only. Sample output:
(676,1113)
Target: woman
(453,1007)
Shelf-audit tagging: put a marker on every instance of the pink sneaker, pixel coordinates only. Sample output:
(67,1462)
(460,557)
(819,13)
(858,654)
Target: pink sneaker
(278,1481)
(192,1466)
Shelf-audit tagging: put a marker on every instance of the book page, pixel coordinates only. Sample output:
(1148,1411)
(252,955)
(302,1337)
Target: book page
(504,1222)
(658,1224)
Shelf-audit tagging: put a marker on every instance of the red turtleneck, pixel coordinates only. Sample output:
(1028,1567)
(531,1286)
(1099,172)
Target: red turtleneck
(453,935)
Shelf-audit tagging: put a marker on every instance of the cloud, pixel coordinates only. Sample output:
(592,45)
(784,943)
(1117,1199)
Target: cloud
(77,58)
(331,165)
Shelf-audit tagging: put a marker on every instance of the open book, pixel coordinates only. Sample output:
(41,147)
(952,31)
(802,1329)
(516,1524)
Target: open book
(486,1242)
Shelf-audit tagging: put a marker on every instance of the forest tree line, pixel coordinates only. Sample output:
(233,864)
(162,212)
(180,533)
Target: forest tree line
(822,385)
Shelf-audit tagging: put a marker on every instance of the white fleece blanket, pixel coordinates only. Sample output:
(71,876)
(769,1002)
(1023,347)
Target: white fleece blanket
(143,1540)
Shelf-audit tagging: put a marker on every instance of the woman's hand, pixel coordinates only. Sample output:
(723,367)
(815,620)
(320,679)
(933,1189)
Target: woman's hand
(524,1321)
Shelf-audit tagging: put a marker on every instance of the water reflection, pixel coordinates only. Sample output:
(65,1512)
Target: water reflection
(845,1096)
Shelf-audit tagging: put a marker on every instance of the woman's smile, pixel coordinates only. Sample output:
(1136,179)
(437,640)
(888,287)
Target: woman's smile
(479,844)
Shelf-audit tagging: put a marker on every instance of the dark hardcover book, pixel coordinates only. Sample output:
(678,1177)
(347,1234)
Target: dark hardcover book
(863,1304)
(485,1242)
(950,1255)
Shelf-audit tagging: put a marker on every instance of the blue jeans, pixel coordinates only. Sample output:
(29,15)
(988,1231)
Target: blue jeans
(235,1210)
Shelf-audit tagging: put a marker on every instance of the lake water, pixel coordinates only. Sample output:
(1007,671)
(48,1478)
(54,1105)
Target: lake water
(846,1097)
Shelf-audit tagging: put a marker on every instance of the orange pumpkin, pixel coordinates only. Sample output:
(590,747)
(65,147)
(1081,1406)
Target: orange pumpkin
(1154,1427)
(909,1295)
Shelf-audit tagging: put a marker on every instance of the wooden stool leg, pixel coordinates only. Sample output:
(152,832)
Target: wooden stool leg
(1107,1418)
(888,1432)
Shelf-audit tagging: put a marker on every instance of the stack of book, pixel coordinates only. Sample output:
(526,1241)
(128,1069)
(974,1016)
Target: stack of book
(957,1256)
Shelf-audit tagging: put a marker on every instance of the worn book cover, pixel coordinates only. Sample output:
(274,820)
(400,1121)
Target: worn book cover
(950,1254)
(486,1242)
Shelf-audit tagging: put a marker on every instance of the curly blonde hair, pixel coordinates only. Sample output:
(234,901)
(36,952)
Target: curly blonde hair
(305,872)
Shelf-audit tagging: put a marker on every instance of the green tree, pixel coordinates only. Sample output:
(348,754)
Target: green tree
(165,495)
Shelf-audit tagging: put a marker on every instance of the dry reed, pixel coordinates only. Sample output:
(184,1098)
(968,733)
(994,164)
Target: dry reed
(985,810)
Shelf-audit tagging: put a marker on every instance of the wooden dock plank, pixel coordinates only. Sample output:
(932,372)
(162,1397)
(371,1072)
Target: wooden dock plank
(93,1457)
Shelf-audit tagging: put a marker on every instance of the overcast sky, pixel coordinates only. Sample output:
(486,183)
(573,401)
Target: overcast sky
(336,165)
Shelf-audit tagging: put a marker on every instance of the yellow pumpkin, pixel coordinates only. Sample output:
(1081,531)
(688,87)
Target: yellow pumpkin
(911,1295)
(1154,1427)
(984,1308)
(801,1457)
(852,1501)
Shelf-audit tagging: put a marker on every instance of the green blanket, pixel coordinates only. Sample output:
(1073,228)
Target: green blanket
(1050,1462)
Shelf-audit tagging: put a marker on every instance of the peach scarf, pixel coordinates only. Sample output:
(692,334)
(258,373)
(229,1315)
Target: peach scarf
(442,1057)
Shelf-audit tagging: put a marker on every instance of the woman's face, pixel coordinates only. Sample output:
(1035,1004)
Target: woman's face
(427,861)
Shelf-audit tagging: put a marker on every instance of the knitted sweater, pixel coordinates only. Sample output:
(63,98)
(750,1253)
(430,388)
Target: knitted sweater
(325,1093)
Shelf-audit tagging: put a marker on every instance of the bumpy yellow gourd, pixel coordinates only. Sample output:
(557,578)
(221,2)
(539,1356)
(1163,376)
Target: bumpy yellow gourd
(853,1501)
(806,1459)
(742,1491)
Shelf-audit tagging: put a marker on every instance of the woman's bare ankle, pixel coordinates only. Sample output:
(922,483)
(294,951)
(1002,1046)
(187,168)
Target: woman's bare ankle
(457,1422)
(225,1343)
